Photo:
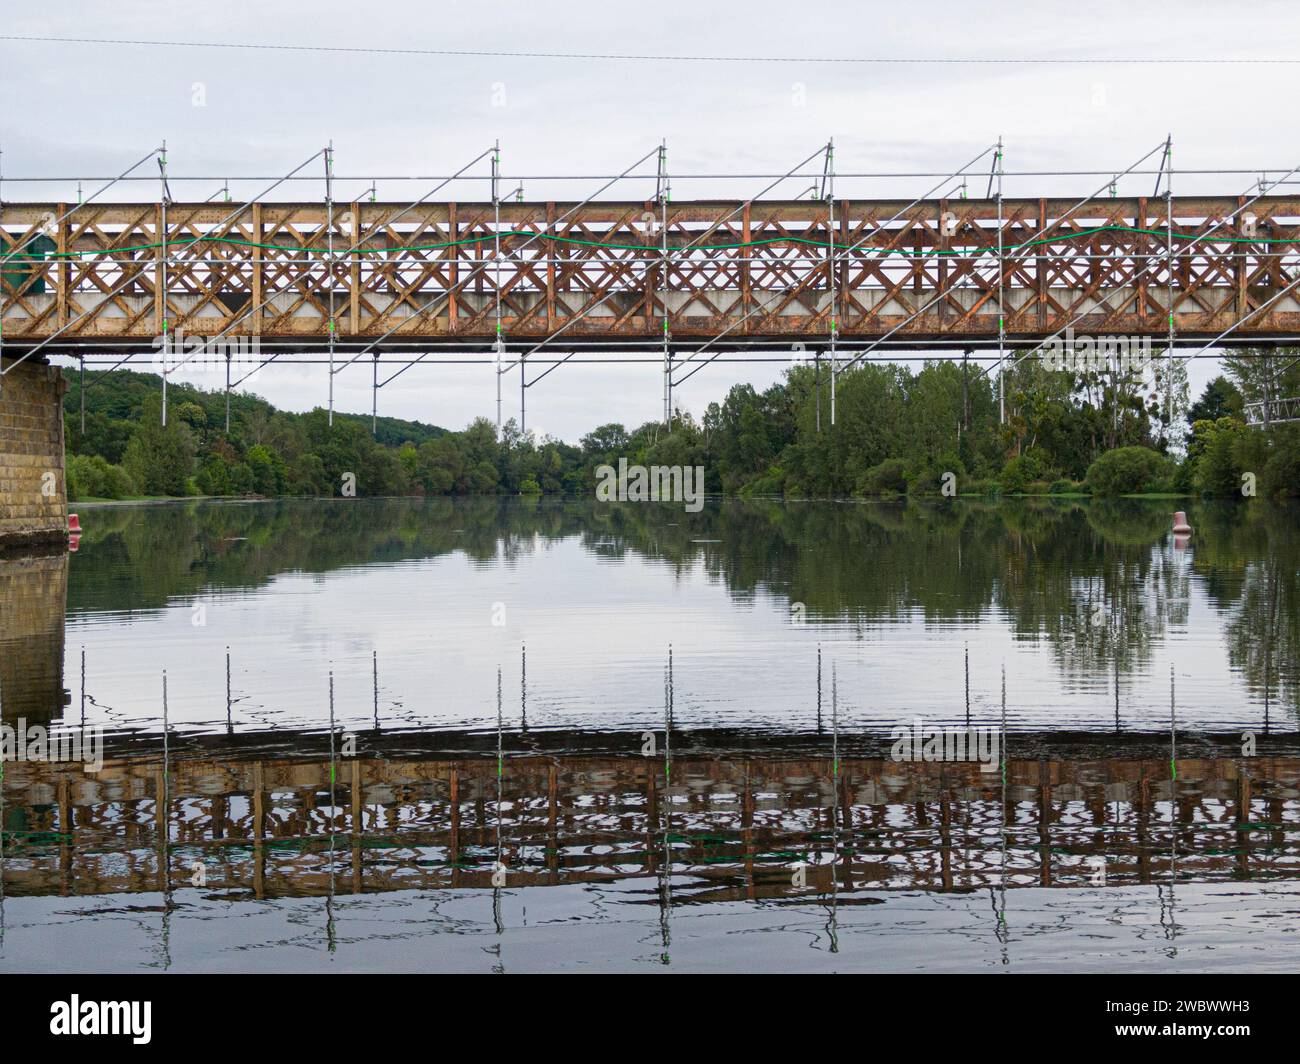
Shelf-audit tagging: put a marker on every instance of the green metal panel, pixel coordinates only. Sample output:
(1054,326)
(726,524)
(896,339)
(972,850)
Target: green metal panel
(19,269)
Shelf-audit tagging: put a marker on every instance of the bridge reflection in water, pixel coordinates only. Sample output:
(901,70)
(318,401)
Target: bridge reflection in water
(734,825)
(713,816)
(33,598)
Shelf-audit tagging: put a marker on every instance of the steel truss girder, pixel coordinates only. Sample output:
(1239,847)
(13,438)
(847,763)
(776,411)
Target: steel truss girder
(426,272)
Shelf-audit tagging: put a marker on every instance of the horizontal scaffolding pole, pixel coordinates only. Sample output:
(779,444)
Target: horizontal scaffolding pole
(811,175)
(802,359)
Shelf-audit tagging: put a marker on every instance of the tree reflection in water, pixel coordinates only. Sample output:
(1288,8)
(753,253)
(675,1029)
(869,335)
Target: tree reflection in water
(1100,580)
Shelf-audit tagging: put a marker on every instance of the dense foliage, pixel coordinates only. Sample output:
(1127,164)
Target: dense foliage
(932,430)
(1130,471)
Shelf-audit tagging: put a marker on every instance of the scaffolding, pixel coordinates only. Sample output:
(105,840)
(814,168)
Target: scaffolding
(1273,412)
(682,283)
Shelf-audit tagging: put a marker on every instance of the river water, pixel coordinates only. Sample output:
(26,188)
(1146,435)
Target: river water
(588,736)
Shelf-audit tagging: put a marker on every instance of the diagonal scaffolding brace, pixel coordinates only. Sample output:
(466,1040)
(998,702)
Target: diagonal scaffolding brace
(1002,268)
(857,246)
(712,228)
(57,222)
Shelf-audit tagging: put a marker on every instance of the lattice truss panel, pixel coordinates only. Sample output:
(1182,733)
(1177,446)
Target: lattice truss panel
(764,269)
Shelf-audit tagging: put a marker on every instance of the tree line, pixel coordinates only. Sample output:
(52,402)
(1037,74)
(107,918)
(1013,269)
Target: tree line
(933,430)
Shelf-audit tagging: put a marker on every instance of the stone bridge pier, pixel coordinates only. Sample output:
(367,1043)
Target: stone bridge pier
(33,606)
(33,542)
(33,489)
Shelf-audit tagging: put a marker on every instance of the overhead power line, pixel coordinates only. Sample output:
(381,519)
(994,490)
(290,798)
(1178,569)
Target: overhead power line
(622,56)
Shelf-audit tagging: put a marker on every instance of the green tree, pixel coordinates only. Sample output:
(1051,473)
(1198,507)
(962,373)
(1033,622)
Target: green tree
(1130,470)
(1217,468)
(267,468)
(1219,399)
(159,458)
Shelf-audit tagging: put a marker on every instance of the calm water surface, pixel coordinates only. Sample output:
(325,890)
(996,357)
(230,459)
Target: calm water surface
(901,599)
(766,642)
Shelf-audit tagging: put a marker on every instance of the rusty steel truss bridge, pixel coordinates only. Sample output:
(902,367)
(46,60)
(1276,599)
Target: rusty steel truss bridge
(534,285)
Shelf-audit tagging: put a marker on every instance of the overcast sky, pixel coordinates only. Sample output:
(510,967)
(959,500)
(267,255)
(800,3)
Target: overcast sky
(91,110)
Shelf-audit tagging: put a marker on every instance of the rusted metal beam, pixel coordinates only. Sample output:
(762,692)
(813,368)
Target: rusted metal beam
(596,277)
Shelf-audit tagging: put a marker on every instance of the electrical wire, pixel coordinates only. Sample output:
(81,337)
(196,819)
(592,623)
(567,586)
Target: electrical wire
(660,58)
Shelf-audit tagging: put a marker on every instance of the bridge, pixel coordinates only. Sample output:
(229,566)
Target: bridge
(378,278)
(536,285)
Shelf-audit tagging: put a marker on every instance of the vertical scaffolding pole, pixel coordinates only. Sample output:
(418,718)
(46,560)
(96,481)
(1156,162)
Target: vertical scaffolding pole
(1001,906)
(163,798)
(830,267)
(817,377)
(1002,331)
(81,387)
(329,246)
(329,898)
(374,394)
(496,275)
(498,346)
(965,391)
(227,389)
(496,260)
(163,252)
(1169,254)
(499,865)
(662,194)
(828,189)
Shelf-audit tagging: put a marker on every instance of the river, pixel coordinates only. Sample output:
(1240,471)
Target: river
(588,736)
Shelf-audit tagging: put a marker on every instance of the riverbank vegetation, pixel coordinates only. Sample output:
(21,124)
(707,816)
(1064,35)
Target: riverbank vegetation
(897,431)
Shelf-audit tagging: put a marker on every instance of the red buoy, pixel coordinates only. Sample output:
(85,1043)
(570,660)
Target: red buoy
(74,525)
